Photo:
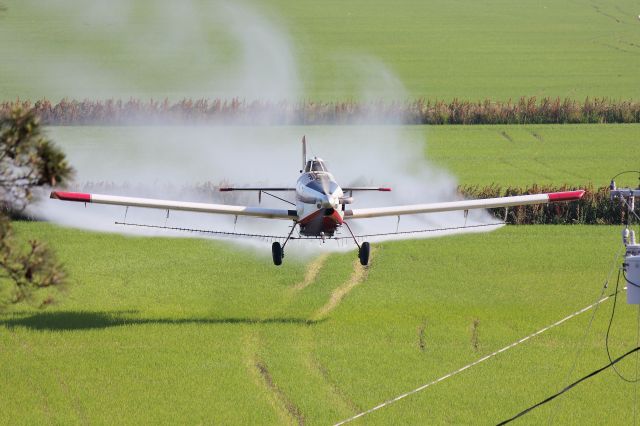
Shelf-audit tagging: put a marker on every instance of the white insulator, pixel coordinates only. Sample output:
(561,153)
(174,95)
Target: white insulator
(632,272)
(625,236)
(632,238)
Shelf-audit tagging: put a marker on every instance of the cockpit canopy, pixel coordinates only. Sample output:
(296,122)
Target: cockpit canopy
(316,165)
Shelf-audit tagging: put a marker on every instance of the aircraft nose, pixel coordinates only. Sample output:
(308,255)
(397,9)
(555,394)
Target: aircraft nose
(327,201)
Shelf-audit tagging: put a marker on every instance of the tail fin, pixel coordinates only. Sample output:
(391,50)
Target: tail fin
(304,153)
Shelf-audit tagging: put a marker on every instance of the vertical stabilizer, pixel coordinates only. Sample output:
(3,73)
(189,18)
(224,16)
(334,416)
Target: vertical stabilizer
(304,153)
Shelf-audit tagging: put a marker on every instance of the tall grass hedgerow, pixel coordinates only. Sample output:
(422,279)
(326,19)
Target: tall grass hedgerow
(420,111)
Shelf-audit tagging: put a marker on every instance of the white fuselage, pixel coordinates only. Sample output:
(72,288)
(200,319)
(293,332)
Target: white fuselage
(318,203)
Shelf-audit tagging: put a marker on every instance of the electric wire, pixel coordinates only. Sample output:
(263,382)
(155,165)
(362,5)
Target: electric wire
(587,330)
(625,172)
(572,385)
(624,274)
(606,340)
(632,211)
(474,363)
(635,388)
(615,300)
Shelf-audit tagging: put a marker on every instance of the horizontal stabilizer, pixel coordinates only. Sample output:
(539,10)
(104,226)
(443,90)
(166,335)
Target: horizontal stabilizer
(366,188)
(228,189)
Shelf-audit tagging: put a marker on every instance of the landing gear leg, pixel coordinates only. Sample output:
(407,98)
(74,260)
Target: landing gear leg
(363,250)
(277,250)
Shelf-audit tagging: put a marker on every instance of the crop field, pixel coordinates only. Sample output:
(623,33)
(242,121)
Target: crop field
(522,155)
(161,330)
(438,49)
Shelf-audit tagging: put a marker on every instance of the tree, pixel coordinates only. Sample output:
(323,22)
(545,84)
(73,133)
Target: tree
(27,161)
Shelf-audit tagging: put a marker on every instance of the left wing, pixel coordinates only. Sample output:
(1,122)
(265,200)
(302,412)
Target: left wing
(486,203)
(175,205)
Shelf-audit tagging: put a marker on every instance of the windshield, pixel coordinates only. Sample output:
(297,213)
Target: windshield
(315,166)
(322,183)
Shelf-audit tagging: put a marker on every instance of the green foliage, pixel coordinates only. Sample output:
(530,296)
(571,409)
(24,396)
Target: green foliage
(27,159)
(23,271)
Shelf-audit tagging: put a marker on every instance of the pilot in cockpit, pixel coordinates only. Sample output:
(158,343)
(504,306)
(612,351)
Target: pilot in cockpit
(315,165)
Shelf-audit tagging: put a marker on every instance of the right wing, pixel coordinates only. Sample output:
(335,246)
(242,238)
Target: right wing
(175,205)
(486,203)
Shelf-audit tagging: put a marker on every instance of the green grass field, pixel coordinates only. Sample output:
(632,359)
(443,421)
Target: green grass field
(438,49)
(543,154)
(160,330)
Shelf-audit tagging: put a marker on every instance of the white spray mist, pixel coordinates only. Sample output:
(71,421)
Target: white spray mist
(164,162)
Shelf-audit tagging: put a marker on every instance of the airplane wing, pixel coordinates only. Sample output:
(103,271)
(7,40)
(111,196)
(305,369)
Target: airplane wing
(487,203)
(175,205)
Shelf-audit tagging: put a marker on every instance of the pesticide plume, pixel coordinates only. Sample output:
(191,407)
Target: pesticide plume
(176,162)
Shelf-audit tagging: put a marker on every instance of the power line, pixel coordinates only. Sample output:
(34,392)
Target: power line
(588,329)
(582,379)
(474,363)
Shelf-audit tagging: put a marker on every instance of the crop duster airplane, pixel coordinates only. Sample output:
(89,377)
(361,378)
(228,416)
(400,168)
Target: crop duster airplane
(320,207)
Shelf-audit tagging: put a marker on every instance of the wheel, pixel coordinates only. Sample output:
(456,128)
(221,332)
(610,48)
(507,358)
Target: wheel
(276,251)
(363,254)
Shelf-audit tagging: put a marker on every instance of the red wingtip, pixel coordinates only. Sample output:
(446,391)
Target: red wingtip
(566,196)
(384,189)
(71,196)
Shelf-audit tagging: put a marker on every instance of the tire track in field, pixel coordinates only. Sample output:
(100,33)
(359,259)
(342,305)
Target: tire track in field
(291,408)
(285,408)
(313,269)
(316,366)
(358,276)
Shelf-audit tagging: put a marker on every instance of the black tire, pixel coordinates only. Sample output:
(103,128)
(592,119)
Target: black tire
(363,254)
(276,251)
